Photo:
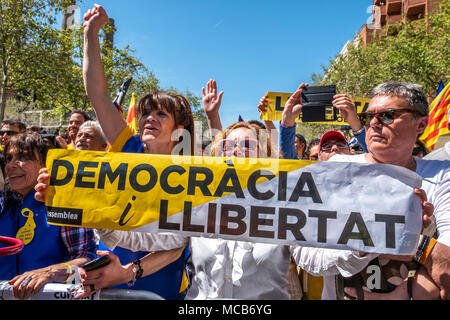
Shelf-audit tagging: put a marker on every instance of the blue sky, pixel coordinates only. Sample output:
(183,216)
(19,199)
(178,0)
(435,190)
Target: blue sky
(249,47)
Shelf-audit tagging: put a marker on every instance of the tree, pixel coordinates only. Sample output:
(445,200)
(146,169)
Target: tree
(27,39)
(414,51)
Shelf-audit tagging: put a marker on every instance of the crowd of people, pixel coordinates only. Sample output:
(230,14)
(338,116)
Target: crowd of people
(181,267)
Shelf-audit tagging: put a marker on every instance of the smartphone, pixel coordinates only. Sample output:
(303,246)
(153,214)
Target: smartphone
(318,106)
(96,263)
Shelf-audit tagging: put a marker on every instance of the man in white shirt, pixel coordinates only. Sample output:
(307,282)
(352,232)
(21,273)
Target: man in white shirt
(396,116)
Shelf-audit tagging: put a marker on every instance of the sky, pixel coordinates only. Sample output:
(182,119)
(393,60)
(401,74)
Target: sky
(249,47)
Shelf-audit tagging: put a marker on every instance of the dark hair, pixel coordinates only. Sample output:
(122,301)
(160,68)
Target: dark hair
(15,122)
(421,148)
(411,92)
(85,115)
(175,104)
(28,145)
(301,138)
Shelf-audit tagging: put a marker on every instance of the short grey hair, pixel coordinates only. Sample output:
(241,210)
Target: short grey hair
(411,92)
(97,127)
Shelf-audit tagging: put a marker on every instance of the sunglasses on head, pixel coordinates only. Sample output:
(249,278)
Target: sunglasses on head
(385,117)
(8,132)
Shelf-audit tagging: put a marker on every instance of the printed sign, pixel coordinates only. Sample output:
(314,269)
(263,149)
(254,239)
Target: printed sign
(364,207)
(277,101)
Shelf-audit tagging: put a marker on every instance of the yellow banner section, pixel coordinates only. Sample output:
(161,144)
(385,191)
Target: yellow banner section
(105,190)
(277,101)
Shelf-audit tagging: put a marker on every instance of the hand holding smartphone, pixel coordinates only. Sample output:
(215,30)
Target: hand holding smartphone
(96,263)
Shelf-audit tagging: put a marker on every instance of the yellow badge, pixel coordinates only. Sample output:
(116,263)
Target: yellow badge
(26,233)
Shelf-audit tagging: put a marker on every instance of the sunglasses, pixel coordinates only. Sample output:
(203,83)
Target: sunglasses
(339,145)
(8,132)
(385,117)
(314,157)
(244,145)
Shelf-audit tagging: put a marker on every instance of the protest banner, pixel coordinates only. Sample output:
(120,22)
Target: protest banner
(364,207)
(277,101)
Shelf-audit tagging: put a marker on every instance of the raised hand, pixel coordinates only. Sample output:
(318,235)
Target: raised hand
(211,101)
(263,104)
(95,18)
(293,107)
(42,185)
(347,110)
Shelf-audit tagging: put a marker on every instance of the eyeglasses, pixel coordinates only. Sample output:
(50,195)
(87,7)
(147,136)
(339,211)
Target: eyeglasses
(339,144)
(244,145)
(314,157)
(8,132)
(385,117)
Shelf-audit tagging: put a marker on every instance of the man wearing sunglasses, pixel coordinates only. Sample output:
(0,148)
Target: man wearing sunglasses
(10,128)
(331,143)
(396,116)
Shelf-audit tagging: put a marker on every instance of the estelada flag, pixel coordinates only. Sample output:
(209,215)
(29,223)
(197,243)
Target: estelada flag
(131,116)
(437,121)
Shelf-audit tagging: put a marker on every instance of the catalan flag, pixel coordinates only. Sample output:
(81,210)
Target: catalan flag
(131,116)
(437,122)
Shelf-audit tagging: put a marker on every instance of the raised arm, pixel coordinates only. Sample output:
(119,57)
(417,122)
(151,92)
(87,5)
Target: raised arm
(211,103)
(94,75)
(347,110)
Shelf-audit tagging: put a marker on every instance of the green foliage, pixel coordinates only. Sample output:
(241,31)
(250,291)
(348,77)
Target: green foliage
(43,64)
(419,53)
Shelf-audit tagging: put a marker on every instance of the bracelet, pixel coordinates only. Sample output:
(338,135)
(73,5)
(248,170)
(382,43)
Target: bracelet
(69,271)
(423,258)
(358,132)
(137,271)
(422,246)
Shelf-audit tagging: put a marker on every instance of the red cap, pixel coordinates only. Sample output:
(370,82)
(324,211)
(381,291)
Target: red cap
(331,135)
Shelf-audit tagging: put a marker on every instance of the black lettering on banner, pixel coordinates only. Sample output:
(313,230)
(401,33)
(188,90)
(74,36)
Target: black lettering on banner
(165,176)
(106,171)
(81,173)
(355,218)
(282,185)
(225,219)
(122,221)
(306,178)
(151,182)
(163,224)
(255,222)
(187,216)
(390,221)
(322,217)
(69,174)
(278,106)
(212,208)
(284,226)
(230,175)
(251,185)
(202,184)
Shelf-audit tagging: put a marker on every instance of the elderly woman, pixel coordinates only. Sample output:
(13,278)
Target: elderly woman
(50,251)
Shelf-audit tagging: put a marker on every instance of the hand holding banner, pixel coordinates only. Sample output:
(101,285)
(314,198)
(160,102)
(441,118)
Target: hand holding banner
(363,207)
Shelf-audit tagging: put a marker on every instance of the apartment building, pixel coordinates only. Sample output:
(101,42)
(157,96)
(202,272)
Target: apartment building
(390,12)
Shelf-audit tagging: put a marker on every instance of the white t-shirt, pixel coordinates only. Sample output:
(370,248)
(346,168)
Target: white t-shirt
(436,183)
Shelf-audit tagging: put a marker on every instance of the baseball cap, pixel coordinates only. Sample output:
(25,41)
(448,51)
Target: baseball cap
(331,135)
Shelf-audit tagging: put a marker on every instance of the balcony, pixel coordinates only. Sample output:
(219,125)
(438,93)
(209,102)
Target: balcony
(394,19)
(394,7)
(366,34)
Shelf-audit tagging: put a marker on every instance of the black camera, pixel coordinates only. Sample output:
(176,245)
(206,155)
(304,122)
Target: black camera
(318,104)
